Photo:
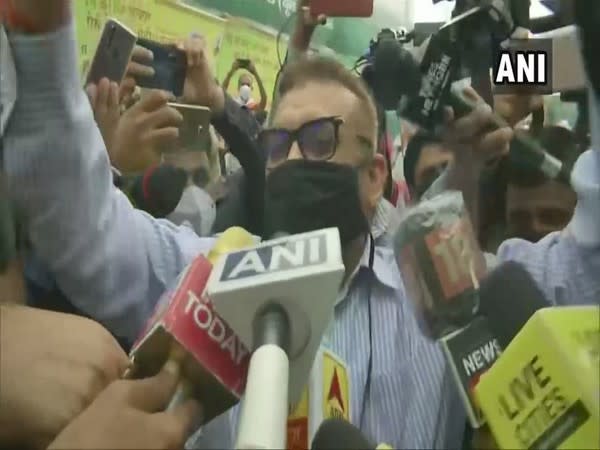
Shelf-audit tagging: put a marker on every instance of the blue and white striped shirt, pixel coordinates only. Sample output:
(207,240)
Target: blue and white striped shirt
(412,401)
(113,262)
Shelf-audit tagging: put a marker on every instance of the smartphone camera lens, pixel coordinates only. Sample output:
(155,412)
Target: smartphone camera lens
(111,34)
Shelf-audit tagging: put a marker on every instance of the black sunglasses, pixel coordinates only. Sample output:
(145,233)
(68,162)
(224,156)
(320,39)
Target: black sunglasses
(318,140)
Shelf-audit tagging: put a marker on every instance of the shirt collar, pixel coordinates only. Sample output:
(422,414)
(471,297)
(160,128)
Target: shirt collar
(384,262)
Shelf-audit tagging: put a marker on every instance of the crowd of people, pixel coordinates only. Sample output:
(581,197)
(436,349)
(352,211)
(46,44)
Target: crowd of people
(102,210)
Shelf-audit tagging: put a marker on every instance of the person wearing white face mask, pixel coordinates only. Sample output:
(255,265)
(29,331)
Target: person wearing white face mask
(245,85)
(197,208)
(245,93)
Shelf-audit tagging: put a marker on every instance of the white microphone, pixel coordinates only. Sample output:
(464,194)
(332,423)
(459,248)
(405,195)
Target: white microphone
(278,298)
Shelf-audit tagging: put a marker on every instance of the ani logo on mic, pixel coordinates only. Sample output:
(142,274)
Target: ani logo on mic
(336,388)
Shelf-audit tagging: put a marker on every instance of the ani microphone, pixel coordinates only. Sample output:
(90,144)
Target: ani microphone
(279,298)
(185,327)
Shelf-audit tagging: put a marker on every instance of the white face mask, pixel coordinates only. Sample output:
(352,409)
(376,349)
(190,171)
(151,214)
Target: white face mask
(245,92)
(196,209)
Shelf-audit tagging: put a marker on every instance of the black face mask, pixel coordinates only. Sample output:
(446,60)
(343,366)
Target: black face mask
(303,195)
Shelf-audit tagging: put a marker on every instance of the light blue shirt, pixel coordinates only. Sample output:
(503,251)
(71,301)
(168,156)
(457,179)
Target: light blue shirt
(412,401)
(113,261)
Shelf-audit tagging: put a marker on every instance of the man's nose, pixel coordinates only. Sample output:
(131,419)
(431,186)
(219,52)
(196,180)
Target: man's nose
(295,152)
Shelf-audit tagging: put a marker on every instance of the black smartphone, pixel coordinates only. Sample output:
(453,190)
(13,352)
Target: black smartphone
(169,64)
(244,63)
(113,53)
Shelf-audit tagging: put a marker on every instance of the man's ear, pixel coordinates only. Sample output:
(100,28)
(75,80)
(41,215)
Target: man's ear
(376,179)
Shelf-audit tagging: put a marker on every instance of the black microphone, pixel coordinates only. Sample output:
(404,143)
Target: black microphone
(159,190)
(509,296)
(335,434)
(454,301)
(395,73)
(508,299)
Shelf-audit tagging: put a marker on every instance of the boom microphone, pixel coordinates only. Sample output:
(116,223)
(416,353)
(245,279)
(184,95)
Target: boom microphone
(159,190)
(544,391)
(186,328)
(279,298)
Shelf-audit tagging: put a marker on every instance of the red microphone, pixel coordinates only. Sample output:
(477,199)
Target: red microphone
(185,327)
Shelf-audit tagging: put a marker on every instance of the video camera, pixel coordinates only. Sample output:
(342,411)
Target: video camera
(462,48)
(461,52)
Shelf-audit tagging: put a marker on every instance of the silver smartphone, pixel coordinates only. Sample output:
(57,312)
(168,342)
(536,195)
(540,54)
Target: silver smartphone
(194,133)
(112,53)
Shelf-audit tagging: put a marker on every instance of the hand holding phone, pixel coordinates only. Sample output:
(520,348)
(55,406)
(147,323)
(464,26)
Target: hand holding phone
(140,66)
(201,86)
(144,131)
(169,65)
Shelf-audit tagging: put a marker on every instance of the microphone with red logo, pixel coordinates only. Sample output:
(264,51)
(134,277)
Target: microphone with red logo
(441,263)
(474,315)
(442,266)
(185,327)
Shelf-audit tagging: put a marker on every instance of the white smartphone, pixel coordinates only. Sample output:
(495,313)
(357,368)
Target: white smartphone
(112,53)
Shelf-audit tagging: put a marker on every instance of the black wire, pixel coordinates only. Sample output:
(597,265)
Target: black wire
(278,39)
(367,391)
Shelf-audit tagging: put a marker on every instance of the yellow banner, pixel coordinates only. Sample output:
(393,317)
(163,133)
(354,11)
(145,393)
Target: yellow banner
(161,20)
(170,21)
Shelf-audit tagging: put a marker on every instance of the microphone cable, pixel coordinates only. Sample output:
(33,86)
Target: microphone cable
(366,393)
